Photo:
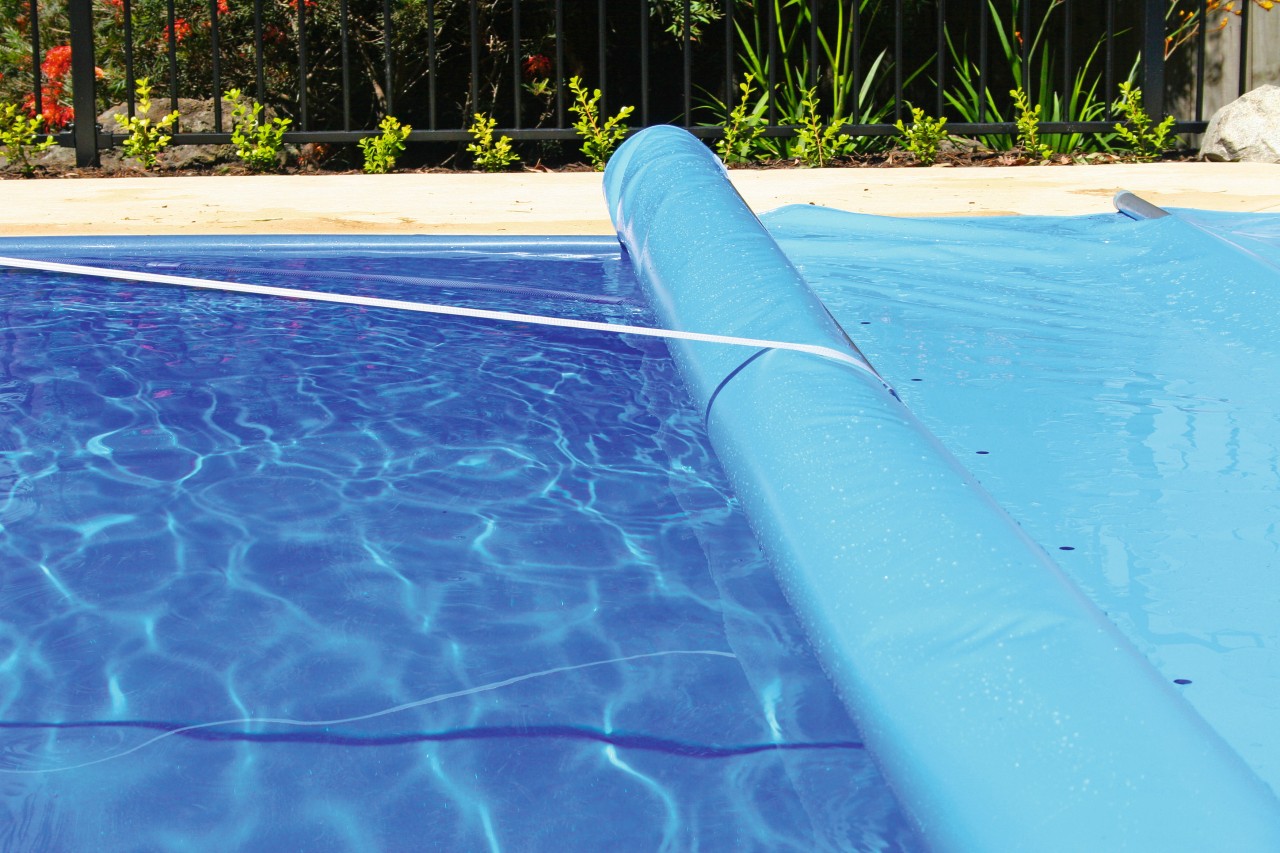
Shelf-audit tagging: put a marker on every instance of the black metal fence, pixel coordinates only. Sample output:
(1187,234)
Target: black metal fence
(336,66)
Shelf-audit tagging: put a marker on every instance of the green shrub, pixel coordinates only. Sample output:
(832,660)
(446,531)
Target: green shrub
(490,155)
(380,152)
(146,139)
(598,138)
(1145,140)
(818,143)
(1028,122)
(923,136)
(257,143)
(18,136)
(742,130)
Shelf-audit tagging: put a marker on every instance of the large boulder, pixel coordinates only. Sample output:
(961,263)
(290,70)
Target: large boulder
(1248,128)
(194,116)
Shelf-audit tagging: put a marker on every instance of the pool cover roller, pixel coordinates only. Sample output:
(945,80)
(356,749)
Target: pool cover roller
(1005,710)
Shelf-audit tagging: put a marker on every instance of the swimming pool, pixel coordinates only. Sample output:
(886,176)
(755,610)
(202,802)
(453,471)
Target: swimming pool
(501,560)
(282,573)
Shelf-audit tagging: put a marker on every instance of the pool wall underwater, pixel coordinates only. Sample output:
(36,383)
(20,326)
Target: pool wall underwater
(1005,709)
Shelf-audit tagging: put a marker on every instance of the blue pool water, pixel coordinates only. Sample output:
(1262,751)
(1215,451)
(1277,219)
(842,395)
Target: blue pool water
(287,575)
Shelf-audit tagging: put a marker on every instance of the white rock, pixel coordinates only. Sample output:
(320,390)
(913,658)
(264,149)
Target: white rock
(1248,129)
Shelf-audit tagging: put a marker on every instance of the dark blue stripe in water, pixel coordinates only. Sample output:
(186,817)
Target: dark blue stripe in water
(624,740)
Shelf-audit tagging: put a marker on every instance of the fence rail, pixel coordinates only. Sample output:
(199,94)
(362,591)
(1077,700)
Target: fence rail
(336,66)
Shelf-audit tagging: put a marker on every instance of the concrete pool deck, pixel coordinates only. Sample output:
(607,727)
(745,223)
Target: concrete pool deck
(529,203)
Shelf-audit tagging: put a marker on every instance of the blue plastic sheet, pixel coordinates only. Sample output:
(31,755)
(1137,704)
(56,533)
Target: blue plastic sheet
(1005,708)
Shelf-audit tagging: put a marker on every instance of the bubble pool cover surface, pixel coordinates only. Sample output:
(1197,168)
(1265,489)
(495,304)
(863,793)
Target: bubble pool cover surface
(258,513)
(1113,385)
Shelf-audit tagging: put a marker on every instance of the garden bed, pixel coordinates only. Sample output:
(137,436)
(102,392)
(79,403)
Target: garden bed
(307,161)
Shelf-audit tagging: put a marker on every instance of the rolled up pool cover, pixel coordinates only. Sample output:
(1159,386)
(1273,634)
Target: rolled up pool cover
(1004,709)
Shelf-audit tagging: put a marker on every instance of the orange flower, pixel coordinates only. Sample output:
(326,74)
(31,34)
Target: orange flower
(180,30)
(57,62)
(55,114)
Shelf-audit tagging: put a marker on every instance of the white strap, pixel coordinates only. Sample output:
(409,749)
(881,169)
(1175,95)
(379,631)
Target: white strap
(428,308)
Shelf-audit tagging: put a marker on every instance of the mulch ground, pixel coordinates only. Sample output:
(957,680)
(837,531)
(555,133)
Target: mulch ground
(316,165)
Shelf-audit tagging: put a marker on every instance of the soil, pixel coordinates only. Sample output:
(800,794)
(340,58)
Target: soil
(314,160)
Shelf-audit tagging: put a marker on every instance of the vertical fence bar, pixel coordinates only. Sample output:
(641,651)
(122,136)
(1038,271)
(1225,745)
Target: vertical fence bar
(687,66)
(1024,43)
(984,50)
(814,12)
(859,114)
(474,91)
(771,24)
(83,82)
(515,61)
(217,66)
(644,62)
(431,65)
(560,107)
(344,52)
(1153,56)
(602,38)
(37,73)
(127,10)
(260,77)
(302,64)
(172,41)
(388,58)
(728,58)
(1108,66)
(1068,66)
(1242,79)
(897,60)
(941,49)
(1202,36)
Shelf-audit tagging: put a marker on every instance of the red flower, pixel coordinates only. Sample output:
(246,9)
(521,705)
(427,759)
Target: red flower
(55,114)
(57,62)
(536,65)
(224,7)
(118,5)
(180,30)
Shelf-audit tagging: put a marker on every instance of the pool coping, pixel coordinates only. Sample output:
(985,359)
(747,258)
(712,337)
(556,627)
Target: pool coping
(529,203)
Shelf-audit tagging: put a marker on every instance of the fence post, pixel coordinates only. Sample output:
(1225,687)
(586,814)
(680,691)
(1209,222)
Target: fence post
(1153,57)
(84,128)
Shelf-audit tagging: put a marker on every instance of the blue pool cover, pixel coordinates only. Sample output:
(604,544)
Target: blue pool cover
(1005,708)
